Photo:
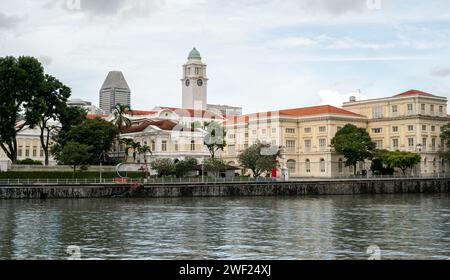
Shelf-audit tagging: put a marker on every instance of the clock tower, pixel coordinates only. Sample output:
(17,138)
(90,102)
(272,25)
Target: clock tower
(194,82)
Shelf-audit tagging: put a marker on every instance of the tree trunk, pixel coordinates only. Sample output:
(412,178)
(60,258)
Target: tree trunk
(74,169)
(354,169)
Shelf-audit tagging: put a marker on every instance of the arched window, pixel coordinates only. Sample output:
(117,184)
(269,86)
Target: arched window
(340,166)
(425,162)
(322,165)
(308,166)
(291,166)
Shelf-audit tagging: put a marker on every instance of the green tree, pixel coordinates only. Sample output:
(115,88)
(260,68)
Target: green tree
(142,150)
(50,105)
(130,144)
(164,166)
(354,144)
(215,138)
(378,165)
(75,154)
(445,136)
(260,158)
(97,133)
(214,166)
(120,121)
(21,80)
(184,166)
(401,160)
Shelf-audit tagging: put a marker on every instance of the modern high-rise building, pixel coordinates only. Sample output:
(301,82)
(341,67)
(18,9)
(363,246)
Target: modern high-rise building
(115,90)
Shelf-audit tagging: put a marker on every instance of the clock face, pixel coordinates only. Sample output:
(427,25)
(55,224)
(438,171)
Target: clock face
(200,82)
(187,83)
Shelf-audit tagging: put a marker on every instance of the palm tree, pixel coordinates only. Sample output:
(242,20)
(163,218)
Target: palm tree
(135,146)
(128,145)
(144,150)
(120,121)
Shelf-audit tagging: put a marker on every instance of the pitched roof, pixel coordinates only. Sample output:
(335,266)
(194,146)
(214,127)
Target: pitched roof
(94,116)
(115,79)
(193,113)
(162,124)
(317,110)
(414,92)
(140,113)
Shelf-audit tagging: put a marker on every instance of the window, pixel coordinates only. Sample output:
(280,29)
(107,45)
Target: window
(264,131)
(422,108)
(254,131)
(395,129)
(441,109)
(308,166)
(307,129)
(322,165)
(377,112)
(424,144)
(433,128)
(410,127)
(19,151)
(27,151)
(424,128)
(411,143)
(432,109)
(395,143)
(290,145)
(379,144)
(433,144)
(322,129)
(322,144)
(307,146)
(176,147)
(291,166)
(153,146)
(410,109)
(164,146)
(377,130)
(192,145)
(340,166)
(290,130)
(41,153)
(274,130)
(34,151)
(394,109)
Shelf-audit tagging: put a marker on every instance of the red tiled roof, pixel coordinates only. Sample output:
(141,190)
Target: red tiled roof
(92,116)
(414,92)
(163,124)
(193,113)
(317,110)
(140,113)
(296,112)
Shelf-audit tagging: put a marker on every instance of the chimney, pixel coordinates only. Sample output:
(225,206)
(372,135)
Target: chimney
(352,99)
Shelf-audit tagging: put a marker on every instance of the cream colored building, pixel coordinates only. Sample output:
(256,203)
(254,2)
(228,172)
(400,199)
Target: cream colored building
(409,121)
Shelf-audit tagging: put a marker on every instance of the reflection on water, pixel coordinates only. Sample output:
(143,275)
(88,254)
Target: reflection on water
(331,227)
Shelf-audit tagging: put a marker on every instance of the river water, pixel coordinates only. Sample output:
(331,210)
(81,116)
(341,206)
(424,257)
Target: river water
(262,228)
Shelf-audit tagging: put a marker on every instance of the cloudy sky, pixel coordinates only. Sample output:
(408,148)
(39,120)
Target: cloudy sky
(261,54)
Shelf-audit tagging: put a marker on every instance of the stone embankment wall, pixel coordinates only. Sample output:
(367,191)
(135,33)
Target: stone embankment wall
(300,188)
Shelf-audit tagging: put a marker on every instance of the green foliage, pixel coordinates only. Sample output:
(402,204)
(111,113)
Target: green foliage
(164,166)
(354,144)
(260,158)
(75,154)
(21,81)
(215,138)
(184,166)
(29,161)
(378,166)
(214,165)
(120,121)
(445,136)
(401,160)
(97,133)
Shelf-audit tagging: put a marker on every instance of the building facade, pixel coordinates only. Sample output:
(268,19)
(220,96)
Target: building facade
(409,121)
(115,90)
(86,105)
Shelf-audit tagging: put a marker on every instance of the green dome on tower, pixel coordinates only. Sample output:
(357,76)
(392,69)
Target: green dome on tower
(194,54)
